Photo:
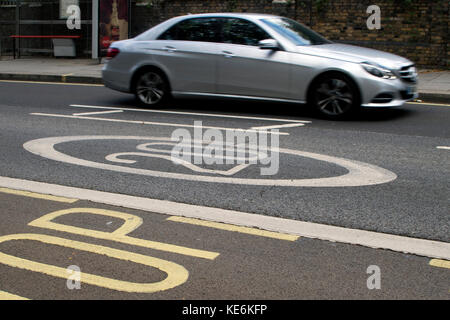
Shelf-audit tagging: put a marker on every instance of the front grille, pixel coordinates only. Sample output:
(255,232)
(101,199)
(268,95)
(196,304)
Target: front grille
(405,95)
(408,74)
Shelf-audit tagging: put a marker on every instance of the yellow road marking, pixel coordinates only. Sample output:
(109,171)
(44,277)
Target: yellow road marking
(440,263)
(431,104)
(233,228)
(176,274)
(131,223)
(8,296)
(37,195)
(64,76)
(57,83)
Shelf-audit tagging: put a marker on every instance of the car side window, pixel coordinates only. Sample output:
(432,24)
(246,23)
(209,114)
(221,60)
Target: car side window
(240,31)
(199,29)
(170,34)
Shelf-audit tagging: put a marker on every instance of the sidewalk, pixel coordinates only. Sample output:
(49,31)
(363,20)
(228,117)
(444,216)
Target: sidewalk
(434,86)
(52,70)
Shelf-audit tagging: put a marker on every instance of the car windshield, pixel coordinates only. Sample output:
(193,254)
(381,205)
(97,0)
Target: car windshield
(299,34)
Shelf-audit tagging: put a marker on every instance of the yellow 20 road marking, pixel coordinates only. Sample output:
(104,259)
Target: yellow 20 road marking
(37,195)
(131,223)
(176,274)
(440,263)
(229,227)
(8,296)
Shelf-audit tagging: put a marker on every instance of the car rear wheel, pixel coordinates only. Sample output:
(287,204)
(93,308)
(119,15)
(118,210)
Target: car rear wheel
(152,88)
(334,96)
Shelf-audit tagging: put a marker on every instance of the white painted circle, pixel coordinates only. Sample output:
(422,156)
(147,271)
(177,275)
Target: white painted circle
(359,173)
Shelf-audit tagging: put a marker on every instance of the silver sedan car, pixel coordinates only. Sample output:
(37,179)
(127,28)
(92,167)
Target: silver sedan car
(257,57)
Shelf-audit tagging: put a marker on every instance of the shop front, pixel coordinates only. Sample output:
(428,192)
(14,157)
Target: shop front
(77,28)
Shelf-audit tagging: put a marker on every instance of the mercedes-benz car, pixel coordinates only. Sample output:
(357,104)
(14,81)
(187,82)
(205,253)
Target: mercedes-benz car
(257,57)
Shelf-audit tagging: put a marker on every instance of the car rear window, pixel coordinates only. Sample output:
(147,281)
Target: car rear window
(197,29)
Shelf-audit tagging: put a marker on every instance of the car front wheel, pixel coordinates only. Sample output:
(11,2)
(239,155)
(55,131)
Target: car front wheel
(334,96)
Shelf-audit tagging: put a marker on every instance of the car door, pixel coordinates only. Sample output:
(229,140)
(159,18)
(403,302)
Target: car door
(245,69)
(189,51)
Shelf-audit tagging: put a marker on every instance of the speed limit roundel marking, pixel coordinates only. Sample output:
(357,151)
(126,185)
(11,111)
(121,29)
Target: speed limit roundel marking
(359,173)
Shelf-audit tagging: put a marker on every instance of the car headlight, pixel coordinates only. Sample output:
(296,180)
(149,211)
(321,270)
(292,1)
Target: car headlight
(378,71)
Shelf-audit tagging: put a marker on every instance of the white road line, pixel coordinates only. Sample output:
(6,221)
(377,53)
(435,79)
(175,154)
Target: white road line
(281,126)
(191,113)
(421,247)
(97,112)
(166,124)
(443,148)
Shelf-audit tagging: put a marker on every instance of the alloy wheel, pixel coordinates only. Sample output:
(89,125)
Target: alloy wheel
(334,97)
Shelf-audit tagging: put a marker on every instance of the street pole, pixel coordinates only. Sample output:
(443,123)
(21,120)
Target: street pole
(95,29)
(17,41)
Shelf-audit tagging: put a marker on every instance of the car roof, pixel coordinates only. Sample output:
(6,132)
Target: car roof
(156,30)
(231,14)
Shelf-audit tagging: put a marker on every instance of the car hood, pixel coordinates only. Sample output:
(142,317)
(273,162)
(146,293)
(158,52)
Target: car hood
(356,54)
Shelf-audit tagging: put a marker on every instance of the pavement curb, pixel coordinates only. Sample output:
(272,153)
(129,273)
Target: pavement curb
(435,97)
(51,78)
(425,96)
(420,247)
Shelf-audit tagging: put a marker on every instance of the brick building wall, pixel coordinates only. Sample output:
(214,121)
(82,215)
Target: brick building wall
(417,29)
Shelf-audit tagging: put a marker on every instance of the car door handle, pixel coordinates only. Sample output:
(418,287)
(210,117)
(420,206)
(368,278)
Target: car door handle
(169,49)
(228,54)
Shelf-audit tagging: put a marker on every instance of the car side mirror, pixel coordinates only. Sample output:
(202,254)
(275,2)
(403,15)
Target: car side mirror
(269,44)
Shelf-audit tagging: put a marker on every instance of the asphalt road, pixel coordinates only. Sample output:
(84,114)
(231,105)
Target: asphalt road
(402,141)
(399,145)
(243,266)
